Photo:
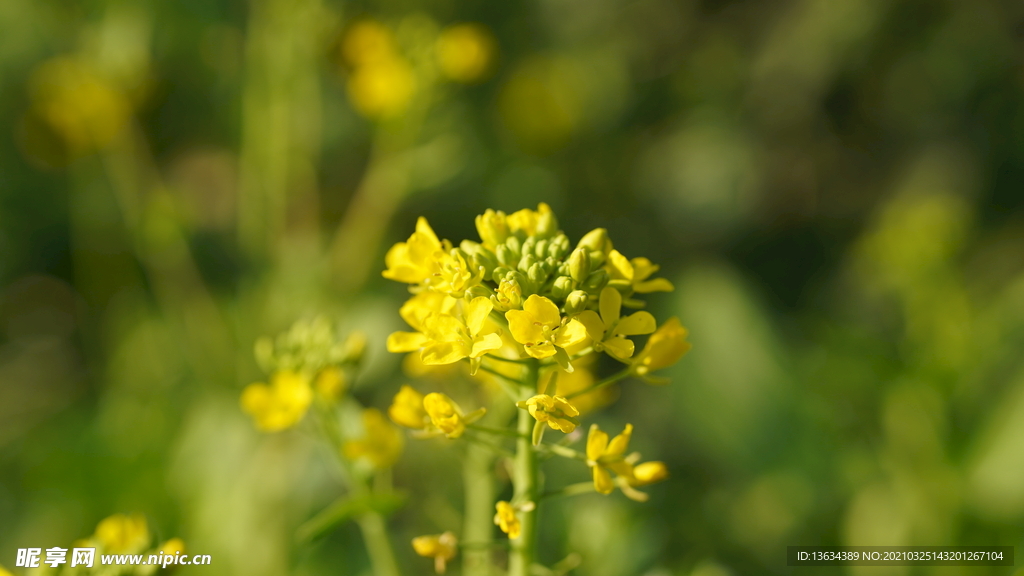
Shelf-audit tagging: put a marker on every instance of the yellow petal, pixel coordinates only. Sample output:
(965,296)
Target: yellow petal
(619,347)
(593,324)
(620,443)
(637,323)
(656,285)
(597,443)
(542,310)
(444,327)
(541,351)
(476,313)
(621,267)
(423,227)
(406,341)
(484,345)
(643,268)
(603,481)
(521,325)
(437,353)
(610,305)
(572,333)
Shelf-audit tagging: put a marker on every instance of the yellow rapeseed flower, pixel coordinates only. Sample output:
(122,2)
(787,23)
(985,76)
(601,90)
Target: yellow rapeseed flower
(122,534)
(605,457)
(556,411)
(456,275)
(492,227)
(418,258)
(664,348)
(368,42)
(539,328)
(649,473)
(407,409)
(540,222)
(381,443)
(330,383)
(609,330)
(465,52)
(447,416)
(281,404)
(381,83)
(636,272)
(440,547)
(445,338)
(507,520)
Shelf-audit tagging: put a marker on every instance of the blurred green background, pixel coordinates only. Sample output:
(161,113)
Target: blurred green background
(834,186)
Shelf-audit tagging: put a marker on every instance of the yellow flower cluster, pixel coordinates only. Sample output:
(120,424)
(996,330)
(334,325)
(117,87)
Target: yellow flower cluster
(433,415)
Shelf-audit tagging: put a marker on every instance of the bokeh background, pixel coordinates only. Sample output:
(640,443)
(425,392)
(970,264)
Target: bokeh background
(834,186)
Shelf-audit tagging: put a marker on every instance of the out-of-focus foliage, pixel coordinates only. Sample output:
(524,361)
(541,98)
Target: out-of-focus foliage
(833,187)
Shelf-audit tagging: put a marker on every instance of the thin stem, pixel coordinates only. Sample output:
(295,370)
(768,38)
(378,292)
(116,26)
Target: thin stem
(522,361)
(524,480)
(603,383)
(502,376)
(480,441)
(570,490)
(378,545)
(562,451)
(490,430)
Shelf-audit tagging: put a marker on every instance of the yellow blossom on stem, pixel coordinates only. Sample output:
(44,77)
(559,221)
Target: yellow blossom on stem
(445,338)
(506,519)
(636,273)
(446,415)
(417,259)
(541,223)
(664,348)
(121,533)
(407,409)
(330,383)
(381,443)
(440,547)
(649,473)
(605,457)
(539,328)
(609,329)
(281,404)
(555,411)
(492,227)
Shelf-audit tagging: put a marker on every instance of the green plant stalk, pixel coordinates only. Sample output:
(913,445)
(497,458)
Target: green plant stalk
(525,483)
(478,525)
(378,545)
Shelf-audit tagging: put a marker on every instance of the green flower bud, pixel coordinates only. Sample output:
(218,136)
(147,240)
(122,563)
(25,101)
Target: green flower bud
(509,295)
(541,249)
(515,245)
(499,274)
(576,302)
(536,274)
(623,286)
(526,262)
(507,256)
(528,245)
(547,224)
(596,239)
(484,259)
(579,264)
(558,247)
(597,258)
(562,287)
(480,291)
(596,281)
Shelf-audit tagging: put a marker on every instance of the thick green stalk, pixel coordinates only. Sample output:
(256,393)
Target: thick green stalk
(375,535)
(524,479)
(478,526)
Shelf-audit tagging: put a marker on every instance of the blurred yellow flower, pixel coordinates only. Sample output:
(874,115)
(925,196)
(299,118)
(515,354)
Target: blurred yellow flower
(416,259)
(582,378)
(381,443)
(172,546)
(465,52)
(608,330)
(83,108)
(407,409)
(556,411)
(330,383)
(538,327)
(368,42)
(605,457)
(636,272)
(446,415)
(506,519)
(121,533)
(542,102)
(440,547)
(383,89)
(281,404)
(649,473)
(664,348)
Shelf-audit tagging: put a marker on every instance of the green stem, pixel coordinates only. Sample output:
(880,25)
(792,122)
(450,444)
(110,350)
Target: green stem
(509,360)
(478,526)
(570,490)
(524,479)
(606,382)
(378,545)
(489,430)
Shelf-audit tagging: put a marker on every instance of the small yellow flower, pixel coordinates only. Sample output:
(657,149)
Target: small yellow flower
(596,240)
(663,349)
(381,444)
(556,411)
(445,338)
(455,276)
(649,473)
(171,546)
(281,404)
(605,457)
(440,547)
(330,383)
(541,223)
(446,415)
(122,534)
(407,409)
(636,272)
(493,228)
(509,295)
(506,519)
(609,330)
(465,52)
(539,328)
(417,259)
